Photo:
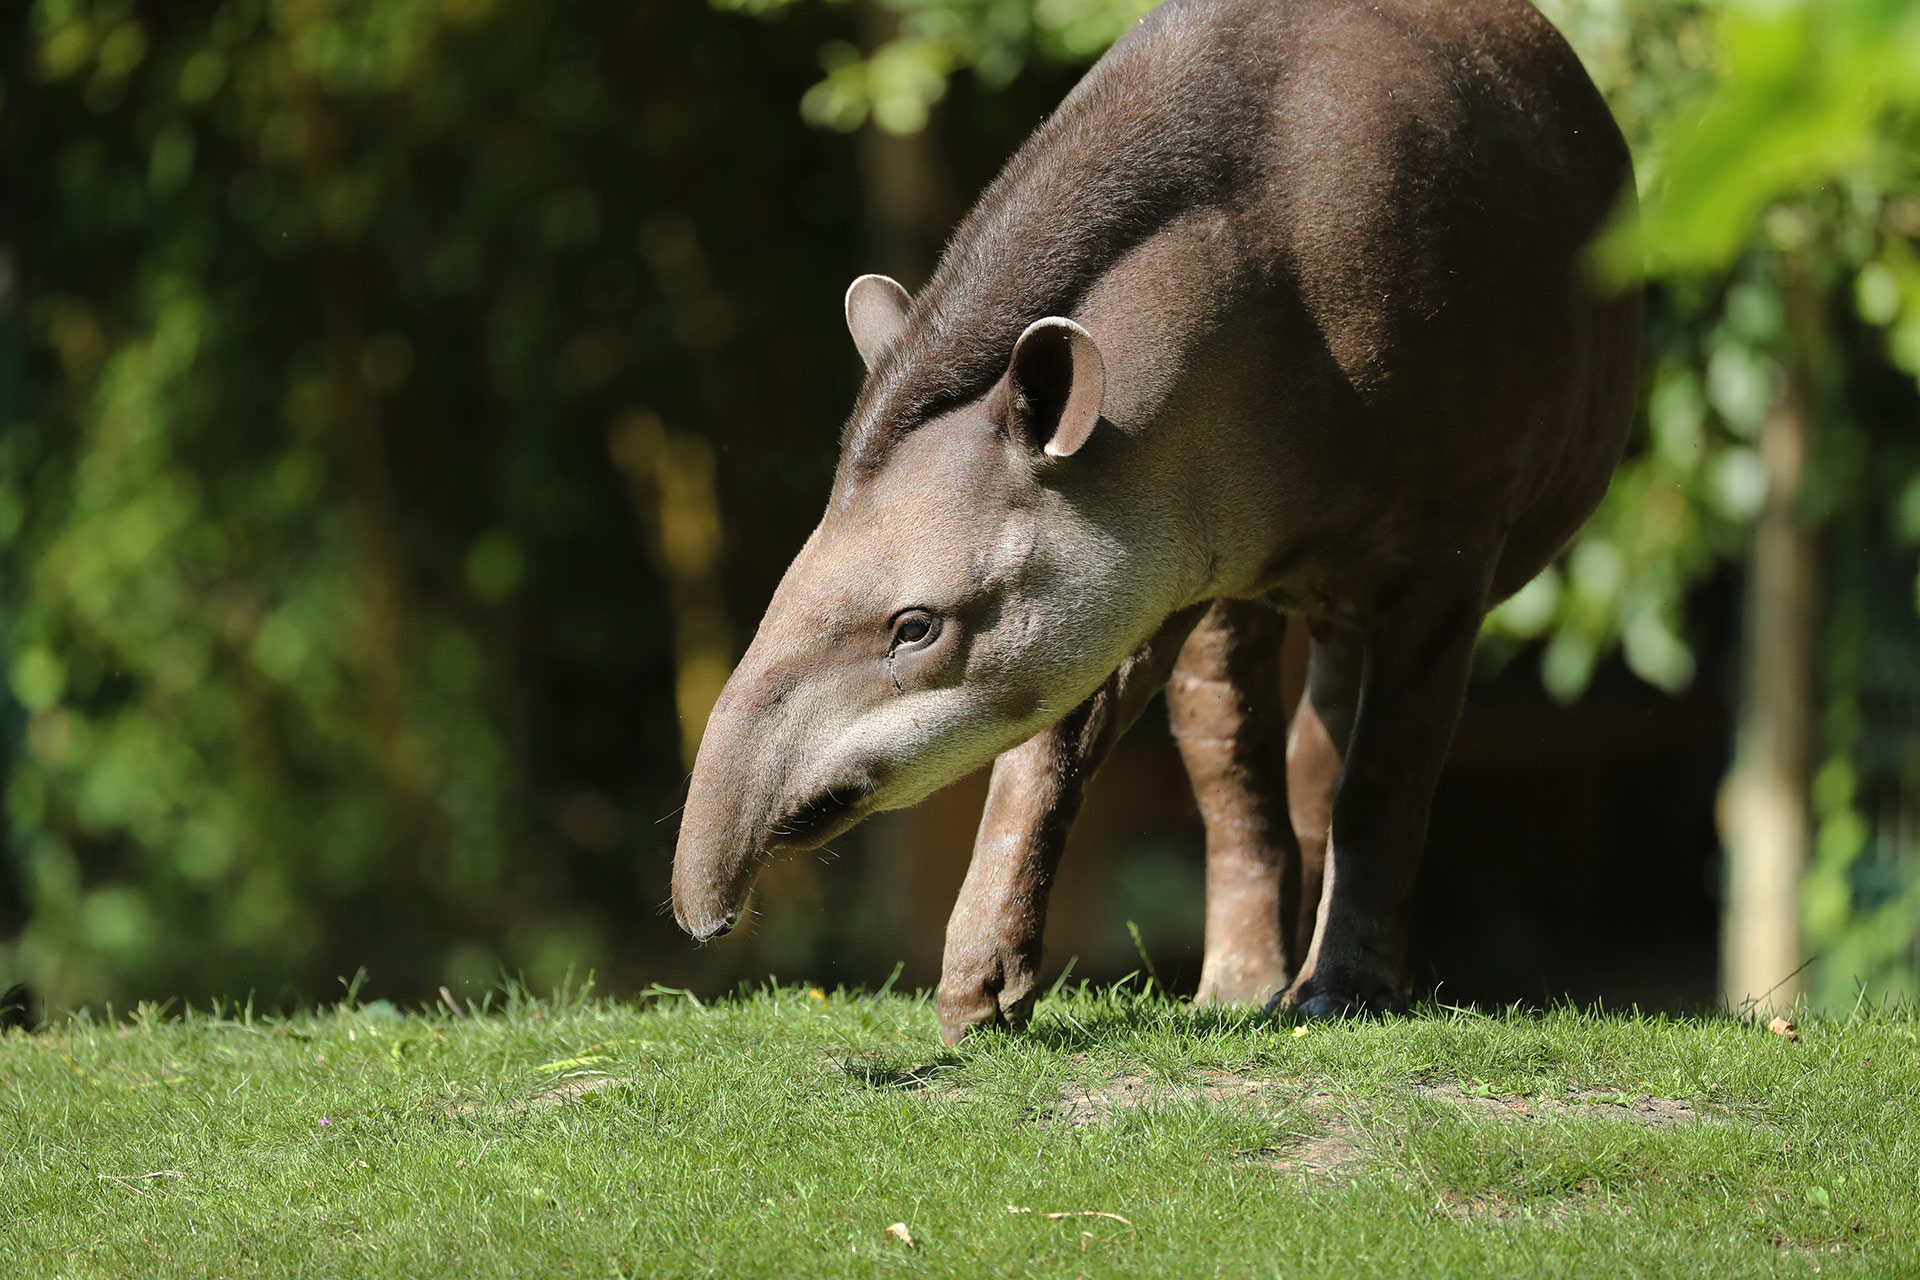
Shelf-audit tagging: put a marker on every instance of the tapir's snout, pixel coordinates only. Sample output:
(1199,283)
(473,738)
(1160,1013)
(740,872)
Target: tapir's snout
(711,878)
(760,787)
(713,861)
(720,839)
(728,830)
(704,927)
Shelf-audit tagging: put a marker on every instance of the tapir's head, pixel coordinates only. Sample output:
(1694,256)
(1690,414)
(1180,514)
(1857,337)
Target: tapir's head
(961,592)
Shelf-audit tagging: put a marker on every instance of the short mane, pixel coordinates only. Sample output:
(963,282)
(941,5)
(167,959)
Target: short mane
(1138,142)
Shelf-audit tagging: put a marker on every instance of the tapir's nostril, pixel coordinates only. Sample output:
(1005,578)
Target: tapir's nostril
(703,930)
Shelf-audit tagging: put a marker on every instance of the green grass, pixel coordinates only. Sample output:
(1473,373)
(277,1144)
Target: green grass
(782,1133)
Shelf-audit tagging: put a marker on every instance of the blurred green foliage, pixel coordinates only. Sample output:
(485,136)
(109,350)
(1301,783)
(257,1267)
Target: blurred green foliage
(1781,219)
(335,632)
(378,381)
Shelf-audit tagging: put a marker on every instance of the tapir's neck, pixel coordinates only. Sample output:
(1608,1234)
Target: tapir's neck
(1184,351)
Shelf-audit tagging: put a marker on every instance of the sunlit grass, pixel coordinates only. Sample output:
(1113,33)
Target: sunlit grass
(784,1132)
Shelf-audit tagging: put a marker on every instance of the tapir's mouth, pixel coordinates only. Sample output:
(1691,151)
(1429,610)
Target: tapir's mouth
(833,812)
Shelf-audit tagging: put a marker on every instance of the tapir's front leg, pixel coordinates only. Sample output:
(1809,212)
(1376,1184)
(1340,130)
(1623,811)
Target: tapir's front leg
(992,960)
(1412,683)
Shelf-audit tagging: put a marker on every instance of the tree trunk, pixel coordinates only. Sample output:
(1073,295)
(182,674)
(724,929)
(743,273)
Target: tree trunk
(902,196)
(670,479)
(1764,812)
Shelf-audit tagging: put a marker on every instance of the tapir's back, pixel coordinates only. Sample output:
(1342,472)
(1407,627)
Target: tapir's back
(1403,189)
(1438,169)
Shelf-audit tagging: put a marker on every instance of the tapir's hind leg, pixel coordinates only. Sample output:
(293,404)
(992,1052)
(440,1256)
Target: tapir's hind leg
(992,960)
(1230,719)
(1413,681)
(1316,752)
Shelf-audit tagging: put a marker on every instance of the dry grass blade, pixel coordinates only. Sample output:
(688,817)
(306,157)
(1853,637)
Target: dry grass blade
(1071,1213)
(132,1181)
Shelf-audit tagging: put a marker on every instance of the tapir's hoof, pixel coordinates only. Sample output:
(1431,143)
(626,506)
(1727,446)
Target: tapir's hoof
(982,1008)
(1332,1006)
(953,1027)
(1323,1001)
(995,1001)
(1234,979)
(961,1013)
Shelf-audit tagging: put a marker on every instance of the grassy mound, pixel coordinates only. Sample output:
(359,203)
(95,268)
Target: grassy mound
(794,1132)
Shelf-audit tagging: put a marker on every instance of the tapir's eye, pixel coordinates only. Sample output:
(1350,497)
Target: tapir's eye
(914,628)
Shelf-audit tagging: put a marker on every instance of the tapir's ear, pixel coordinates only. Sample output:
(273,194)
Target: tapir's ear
(876,314)
(1058,378)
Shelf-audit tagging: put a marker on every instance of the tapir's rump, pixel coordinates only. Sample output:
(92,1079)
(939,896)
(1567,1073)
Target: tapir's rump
(1283,309)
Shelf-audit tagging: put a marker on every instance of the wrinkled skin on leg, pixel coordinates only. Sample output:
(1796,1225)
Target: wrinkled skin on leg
(994,936)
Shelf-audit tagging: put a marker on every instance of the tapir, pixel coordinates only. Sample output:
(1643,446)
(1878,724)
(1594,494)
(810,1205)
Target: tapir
(1287,310)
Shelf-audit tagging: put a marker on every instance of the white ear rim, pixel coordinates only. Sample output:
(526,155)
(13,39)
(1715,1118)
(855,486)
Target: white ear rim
(876,309)
(1082,411)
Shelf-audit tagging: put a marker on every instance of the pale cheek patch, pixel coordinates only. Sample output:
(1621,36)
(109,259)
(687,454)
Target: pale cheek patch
(1012,550)
(921,742)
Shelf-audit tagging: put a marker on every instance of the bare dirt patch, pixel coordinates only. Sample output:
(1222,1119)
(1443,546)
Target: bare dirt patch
(1497,1211)
(1335,1145)
(1331,1149)
(559,1093)
(1581,1104)
(1080,1105)
(1091,1104)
